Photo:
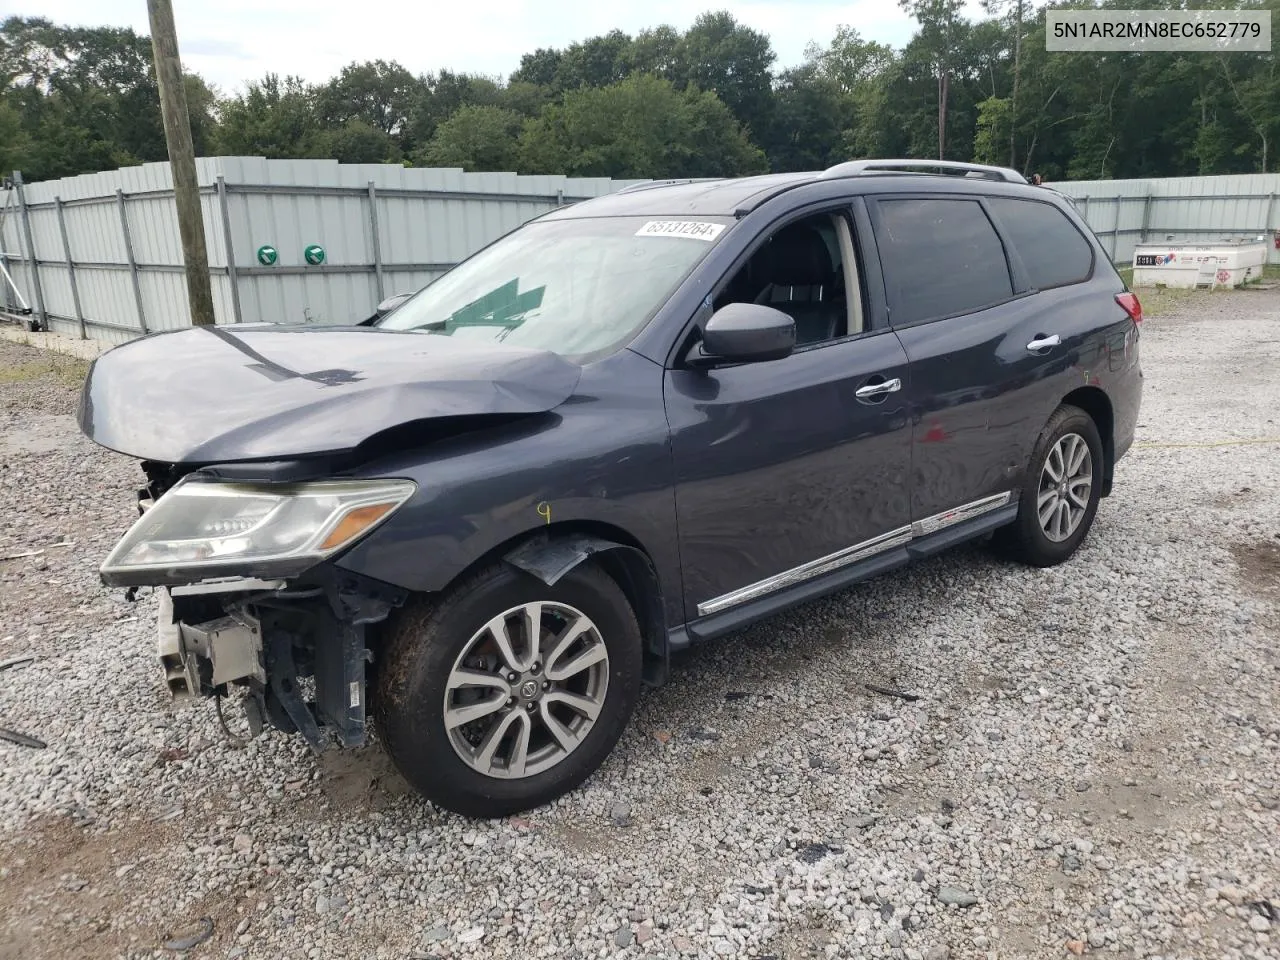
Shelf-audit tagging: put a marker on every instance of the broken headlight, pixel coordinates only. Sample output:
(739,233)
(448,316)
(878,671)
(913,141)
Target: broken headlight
(208,528)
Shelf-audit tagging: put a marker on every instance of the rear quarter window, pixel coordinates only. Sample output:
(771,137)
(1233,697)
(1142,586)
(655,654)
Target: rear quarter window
(1054,252)
(940,257)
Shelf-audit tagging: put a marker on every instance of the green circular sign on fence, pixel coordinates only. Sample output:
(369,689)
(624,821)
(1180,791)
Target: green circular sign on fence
(313,254)
(267,255)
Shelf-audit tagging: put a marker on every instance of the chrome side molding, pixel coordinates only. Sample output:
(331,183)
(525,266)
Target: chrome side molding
(899,537)
(940,521)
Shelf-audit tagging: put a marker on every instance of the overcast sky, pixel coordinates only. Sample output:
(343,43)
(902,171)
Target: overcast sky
(231,41)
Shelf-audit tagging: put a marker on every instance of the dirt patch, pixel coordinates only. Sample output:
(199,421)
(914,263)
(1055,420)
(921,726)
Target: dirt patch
(1259,564)
(79,880)
(363,779)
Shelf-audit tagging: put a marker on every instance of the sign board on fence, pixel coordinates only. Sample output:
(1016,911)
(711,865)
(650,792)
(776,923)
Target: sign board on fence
(313,254)
(267,255)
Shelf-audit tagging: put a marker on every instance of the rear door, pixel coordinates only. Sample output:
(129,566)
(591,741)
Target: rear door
(985,364)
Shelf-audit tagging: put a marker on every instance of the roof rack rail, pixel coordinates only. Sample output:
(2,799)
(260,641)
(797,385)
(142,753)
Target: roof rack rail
(651,184)
(855,168)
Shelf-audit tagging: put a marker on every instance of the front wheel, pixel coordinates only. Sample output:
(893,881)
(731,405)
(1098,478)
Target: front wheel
(1061,492)
(507,693)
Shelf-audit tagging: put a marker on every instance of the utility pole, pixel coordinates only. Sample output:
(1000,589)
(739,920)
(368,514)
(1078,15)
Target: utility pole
(182,159)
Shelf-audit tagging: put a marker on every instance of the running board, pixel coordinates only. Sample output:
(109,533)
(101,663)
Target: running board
(965,523)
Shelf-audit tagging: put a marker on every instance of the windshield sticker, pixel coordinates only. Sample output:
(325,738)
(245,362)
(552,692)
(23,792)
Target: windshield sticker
(693,229)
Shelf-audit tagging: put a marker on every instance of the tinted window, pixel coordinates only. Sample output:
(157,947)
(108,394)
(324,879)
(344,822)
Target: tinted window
(1051,248)
(940,258)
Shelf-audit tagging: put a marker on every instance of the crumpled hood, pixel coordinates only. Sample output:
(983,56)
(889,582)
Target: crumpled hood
(223,394)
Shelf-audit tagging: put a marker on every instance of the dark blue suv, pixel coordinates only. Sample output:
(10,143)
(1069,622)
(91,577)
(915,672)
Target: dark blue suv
(646,420)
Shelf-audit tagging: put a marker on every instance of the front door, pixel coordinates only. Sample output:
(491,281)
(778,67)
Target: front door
(784,463)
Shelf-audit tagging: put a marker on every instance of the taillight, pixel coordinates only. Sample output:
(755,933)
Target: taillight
(1131,306)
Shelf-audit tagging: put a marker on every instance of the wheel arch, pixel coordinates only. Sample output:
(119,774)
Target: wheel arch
(550,552)
(1095,402)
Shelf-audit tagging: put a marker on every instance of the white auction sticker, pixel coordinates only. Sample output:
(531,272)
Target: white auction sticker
(693,229)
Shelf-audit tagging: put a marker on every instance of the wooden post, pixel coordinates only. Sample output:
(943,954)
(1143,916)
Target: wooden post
(182,160)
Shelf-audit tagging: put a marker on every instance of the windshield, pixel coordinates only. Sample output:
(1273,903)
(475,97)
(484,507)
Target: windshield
(575,287)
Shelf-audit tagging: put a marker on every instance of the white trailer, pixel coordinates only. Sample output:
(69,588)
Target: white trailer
(1223,263)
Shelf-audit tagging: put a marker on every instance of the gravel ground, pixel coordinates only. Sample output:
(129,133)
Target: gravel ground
(1093,763)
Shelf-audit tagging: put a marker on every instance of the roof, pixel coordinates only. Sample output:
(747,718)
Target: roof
(727,197)
(704,197)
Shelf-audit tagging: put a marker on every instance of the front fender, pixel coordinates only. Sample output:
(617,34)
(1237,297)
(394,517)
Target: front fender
(549,557)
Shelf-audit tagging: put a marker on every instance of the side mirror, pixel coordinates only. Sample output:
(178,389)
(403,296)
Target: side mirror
(385,307)
(389,304)
(746,333)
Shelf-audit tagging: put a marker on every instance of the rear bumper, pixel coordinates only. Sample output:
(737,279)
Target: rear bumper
(298,651)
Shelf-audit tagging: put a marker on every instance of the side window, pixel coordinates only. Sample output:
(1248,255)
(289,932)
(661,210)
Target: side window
(940,258)
(805,269)
(1051,248)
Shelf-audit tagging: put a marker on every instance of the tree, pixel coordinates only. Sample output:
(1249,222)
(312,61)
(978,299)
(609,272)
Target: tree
(995,121)
(812,112)
(15,144)
(658,52)
(443,94)
(850,60)
(734,62)
(273,118)
(476,137)
(1256,90)
(526,99)
(1016,10)
(357,142)
(86,97)
(640,127)
(595,62)
(538,68)
(940,24)
(861,68)
(380,94)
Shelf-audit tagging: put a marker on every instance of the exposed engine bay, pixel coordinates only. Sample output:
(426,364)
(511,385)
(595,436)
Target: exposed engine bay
(298,649)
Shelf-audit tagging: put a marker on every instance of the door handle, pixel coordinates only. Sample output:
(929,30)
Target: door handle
(878,389)
(1044,343)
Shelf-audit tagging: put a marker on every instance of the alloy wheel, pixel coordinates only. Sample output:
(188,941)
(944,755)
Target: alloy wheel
(526,690)
(1066,484)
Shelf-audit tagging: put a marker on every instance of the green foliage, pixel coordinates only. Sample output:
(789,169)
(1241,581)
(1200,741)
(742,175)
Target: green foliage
(734,62)
(995,115)
(705,101)
(811,112)
(85,98)
(380,94)
(640,127)
(274,118)
(443,94)
(356,141)
(476,137)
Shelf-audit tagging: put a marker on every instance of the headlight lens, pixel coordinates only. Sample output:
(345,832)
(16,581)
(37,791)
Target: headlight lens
(206,524)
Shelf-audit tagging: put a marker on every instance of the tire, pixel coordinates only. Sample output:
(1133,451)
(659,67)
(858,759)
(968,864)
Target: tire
(433,636)
(1042,544)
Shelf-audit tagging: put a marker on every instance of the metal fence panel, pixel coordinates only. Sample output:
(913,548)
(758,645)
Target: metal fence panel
(425,220)
(387,229)
(1124,213)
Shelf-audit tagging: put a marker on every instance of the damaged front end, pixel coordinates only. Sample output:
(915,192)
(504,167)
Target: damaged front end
(247,598)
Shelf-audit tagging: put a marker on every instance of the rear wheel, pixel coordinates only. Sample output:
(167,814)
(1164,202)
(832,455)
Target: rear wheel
(1061,492)
(507,693)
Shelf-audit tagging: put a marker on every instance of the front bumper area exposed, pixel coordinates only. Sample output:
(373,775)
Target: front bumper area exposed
(299,649)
